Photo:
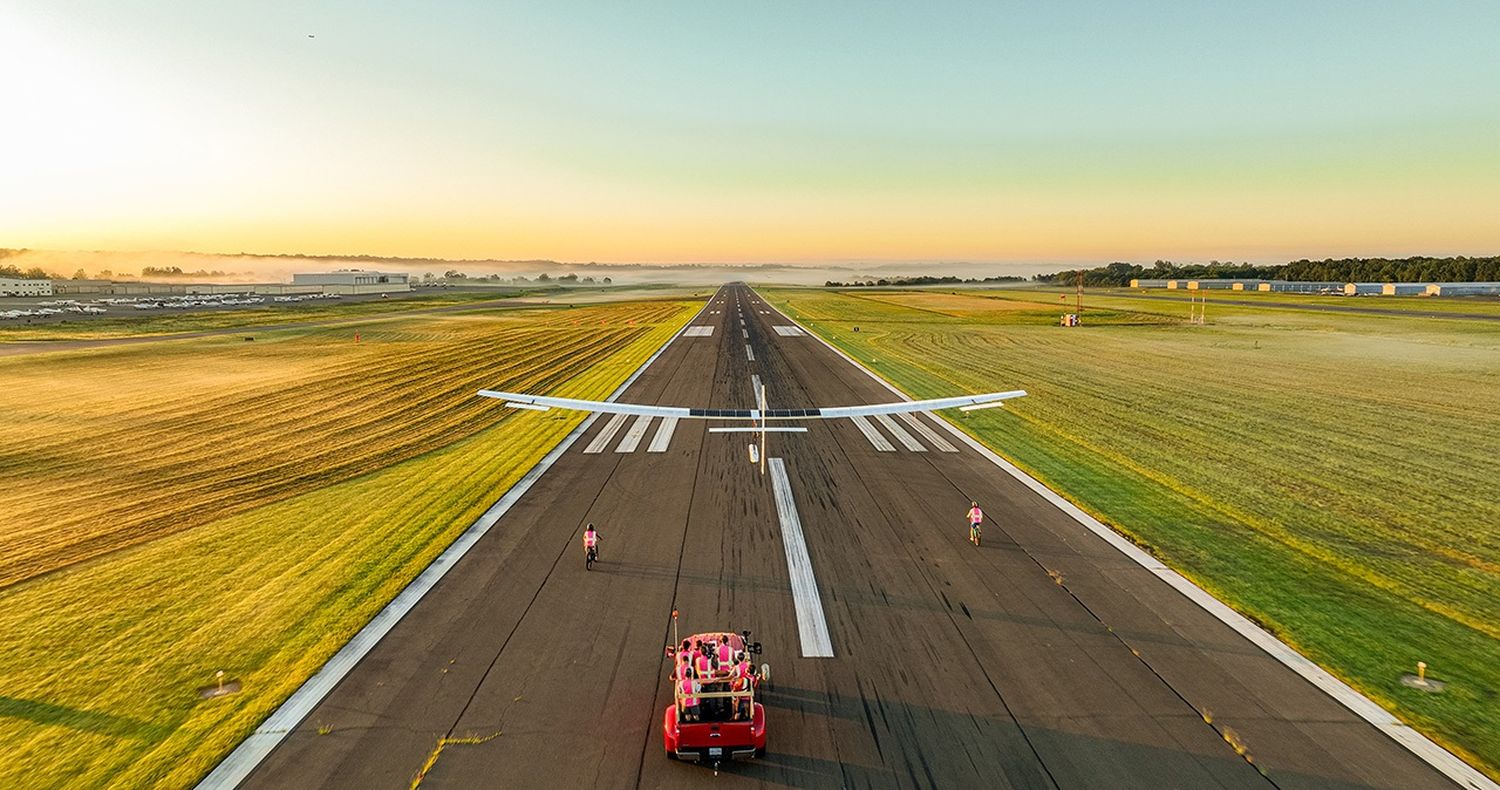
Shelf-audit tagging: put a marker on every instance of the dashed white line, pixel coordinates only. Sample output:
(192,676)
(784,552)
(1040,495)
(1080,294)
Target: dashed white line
(812,626)
(633,436)
(663,435)
(873,435)
(755,389)
(901,435)
(605,434)
(749,353)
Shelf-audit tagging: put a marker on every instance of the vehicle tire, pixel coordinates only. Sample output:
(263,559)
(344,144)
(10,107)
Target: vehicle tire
(765,675)
(671,755)
(760,753)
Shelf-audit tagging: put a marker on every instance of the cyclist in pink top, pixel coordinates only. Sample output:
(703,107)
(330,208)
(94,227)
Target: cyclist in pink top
(976,517)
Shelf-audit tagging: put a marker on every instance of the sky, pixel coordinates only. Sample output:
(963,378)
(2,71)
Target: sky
(1054,132)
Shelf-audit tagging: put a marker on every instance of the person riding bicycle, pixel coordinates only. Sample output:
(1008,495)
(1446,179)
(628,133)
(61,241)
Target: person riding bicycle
(976,517)
(591,541)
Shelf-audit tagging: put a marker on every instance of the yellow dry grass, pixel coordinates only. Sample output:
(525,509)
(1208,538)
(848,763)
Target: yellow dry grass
(176,509)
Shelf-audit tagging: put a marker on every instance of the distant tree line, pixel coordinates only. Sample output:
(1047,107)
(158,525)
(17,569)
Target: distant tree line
(176,271)
(1384,270)
(16,272)
(922,280)
(520,279)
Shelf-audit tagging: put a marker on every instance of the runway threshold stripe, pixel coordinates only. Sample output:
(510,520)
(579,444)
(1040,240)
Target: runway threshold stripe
(608,432)
(812,626)
(900,433)
(633,436)
(873,435)
(927,433)
(663,435)
(749,353)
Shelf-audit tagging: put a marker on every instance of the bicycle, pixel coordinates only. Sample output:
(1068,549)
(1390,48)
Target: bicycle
(974,532)
(590,556)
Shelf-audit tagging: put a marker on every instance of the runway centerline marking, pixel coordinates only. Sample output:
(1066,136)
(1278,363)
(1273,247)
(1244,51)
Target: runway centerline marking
(901,435)
(873,435)
(812,626)
(633,436)
(755,388)
(607,433)
(749,354)
(663,435)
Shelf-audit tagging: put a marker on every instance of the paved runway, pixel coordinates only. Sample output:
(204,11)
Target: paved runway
(1043,659)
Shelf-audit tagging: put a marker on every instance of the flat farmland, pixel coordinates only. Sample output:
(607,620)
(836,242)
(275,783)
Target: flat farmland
(1331,475)
(181,507)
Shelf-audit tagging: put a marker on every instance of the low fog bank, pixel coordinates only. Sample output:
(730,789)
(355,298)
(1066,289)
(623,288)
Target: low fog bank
(246,268)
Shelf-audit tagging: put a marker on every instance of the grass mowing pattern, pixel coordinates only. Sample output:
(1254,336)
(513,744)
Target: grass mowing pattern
(126,321)
(331,474)
(1332,476)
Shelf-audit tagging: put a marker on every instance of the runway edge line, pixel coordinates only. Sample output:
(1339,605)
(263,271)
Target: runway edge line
(248,755)
(1427,750)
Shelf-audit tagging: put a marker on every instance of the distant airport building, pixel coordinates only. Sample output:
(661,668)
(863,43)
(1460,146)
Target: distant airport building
(1463,289)
(1148,283)
(354,281)
(1363,289)
(1289,286)
(111,288)
(10,286)
(1403,289)
(265,289)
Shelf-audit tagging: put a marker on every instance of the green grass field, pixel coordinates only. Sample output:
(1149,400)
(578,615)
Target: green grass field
(174,509)
(1331,475)
(124,321)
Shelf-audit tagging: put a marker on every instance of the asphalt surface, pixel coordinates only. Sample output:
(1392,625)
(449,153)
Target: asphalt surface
(1043,659)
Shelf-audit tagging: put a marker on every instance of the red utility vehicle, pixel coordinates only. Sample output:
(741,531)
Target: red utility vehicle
(715,714)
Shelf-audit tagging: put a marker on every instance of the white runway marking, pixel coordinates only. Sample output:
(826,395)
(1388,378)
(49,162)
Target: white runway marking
(745,333)
(633,436)
(698,331)
(873,435)
(901,435)
(234,768)
(749,354)
(789,331)
(663,435)
(1429,752)
(602,440)
(755,389)
(930,435)
(811,624)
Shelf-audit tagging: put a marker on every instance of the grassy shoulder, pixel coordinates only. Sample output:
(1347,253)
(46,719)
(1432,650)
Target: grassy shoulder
(1329,475)
(100,658)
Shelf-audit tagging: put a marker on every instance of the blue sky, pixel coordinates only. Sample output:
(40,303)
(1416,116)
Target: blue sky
(775,131)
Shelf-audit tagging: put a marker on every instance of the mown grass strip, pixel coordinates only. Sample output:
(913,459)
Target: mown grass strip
(100,660)
(1331,476)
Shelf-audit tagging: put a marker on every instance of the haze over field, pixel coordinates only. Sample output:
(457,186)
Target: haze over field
(675,133)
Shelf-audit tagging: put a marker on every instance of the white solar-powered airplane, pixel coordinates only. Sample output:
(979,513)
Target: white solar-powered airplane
(762,415)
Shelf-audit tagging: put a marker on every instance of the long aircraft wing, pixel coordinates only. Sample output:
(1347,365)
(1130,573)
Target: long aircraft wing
(542,402)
